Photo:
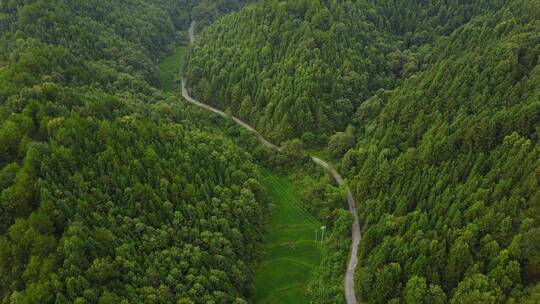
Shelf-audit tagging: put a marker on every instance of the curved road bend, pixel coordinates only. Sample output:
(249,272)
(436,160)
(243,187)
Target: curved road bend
(348,281)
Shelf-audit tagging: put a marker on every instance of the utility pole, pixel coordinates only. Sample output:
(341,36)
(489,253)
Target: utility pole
(323,228)
(321,250)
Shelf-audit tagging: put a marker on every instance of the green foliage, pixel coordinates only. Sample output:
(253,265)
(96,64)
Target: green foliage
(112,191)
(415,290)
(291,67)
(294,152)
(445,103)
(532,294)
(320,197)
(447,169)
(530,248)
(417,20)
(341,142)
(296,66)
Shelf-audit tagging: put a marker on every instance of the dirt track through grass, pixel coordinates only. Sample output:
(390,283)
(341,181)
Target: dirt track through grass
(290,253)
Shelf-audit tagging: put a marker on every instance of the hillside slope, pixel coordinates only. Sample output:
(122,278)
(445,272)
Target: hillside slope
(297,67)
(448,167)
(291,67)
(111,191)
(443,100)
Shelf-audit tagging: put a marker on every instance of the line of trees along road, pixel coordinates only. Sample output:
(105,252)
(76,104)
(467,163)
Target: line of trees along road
(443,103)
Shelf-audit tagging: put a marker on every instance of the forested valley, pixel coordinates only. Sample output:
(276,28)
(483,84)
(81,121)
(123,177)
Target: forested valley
(113,189)
(432,111)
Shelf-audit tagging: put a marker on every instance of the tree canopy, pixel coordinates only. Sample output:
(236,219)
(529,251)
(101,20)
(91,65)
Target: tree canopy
(112,191)
(444,101)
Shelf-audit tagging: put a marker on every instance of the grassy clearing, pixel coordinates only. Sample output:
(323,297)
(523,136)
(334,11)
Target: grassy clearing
(169,69)
(290,253)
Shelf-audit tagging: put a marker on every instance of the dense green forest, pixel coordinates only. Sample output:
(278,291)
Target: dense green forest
(291,67)
(433,109)
(112,191)
(448,168)
(298,67)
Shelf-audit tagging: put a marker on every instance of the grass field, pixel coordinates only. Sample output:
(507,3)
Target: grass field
(169,68)
(290,253)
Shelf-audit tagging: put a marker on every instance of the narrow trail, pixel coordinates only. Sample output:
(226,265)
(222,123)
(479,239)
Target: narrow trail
(348,281)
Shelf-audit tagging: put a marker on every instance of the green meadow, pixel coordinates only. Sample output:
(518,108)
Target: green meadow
(290,253)
(169,69)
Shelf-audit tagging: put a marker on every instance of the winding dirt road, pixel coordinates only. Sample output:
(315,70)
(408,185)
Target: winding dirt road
(348,281)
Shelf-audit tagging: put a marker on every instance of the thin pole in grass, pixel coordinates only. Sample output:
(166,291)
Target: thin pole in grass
(321,257)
